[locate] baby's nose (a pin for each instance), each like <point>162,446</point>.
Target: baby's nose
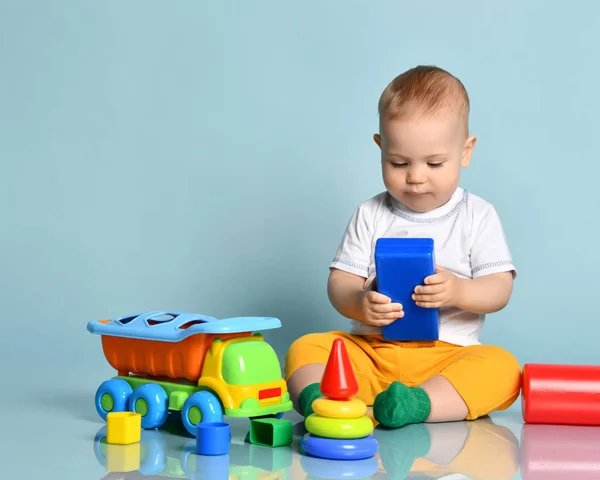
<point>416,176</point>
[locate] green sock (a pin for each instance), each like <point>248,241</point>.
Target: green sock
<point>307,397</point>
<point>400,405</point>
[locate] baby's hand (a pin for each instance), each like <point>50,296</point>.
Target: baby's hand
<point>440,290</point>
<point>378,309</point>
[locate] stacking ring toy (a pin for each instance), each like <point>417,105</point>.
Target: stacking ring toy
<point>325,407</point>
<point>340,449</point>
<point>339,428</point>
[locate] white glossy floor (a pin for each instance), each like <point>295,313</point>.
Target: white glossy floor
<point>498,448</point>
<point>50,431</point>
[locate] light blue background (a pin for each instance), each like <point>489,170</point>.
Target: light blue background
<point>206,156</point>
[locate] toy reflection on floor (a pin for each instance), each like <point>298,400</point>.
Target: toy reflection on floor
<point>474,450</point>
<point>166,454</point>
<point>198,365</point>
<point>553,452</point>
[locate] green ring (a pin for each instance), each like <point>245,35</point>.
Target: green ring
<point>194,415</point>
<point>338,428</point>
<point>107,402</point>
<point>141,407</point>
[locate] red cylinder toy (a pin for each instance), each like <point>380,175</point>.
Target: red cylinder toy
<point>561,394</point>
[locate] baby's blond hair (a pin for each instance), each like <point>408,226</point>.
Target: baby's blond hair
<point>424,89</point>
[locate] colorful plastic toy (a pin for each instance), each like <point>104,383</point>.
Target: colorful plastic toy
<point>561,394</point>
<point>157,457</point>
<point>213,438</point>
<point>201,366</point>
<point>335,450</point>
<point>325,407</point>
<point>401,265</point>
<point>271,432</point>
<point>338,429</point>
<point>123,428</point>
<point>339,381</point>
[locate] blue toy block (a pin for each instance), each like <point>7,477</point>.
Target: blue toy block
<point>402,264</point>
<point>213,438</point>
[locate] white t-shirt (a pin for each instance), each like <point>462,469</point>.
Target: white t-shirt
<point>469,242</point>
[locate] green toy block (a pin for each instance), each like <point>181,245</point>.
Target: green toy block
<point>270,432</point>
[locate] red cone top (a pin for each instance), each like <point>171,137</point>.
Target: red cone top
<point>339,382</point>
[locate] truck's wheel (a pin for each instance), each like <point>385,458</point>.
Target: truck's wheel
<point>152,403</point>
<point>200,407</point>
<point>112,396</point>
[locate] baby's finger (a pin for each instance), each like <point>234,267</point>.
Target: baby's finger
<point>435,279</point>
<point>385,308</point>
<point>429,289</point>
<point>436,304</point>
<point>376,297</point>
<point>437,297</point>
<point>388,315</point>
<point>376,322</point>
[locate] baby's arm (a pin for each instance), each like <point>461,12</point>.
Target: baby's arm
<point>485,294</point>
<point>491,263</point>
<point>348,297</point>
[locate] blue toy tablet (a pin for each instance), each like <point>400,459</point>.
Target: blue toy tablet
<point>402,264</point>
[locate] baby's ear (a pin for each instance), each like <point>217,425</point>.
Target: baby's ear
<point>468,151</point>
<point>377,139</point>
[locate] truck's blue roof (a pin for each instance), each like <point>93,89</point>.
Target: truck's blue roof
<point>175,326</point>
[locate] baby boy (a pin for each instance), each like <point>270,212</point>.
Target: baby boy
<point>425,143</point>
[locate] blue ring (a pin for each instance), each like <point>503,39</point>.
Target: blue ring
<point>340,449</point>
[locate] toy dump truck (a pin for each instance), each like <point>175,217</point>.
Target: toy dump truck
<point>198,365</point>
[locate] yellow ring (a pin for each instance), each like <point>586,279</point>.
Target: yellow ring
<point>339,428</point>
<point>325,407</point>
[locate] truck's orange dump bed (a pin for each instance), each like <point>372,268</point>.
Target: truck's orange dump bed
<point>177,360</point>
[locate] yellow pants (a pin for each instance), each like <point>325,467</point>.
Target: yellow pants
<point>487,377</point>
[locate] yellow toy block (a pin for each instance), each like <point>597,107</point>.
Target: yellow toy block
<point>123,458</point>
<point>123,428</point>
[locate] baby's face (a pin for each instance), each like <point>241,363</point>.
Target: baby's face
<point>421,158</point>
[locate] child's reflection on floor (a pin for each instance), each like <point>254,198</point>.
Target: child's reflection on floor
<point>476,450</point>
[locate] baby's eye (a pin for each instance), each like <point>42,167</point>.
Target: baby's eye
<point>435,165</point>
<point>399,165</point>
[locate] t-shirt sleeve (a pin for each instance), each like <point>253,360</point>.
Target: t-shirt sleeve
<point>354,252</point>
<point>490,252</point>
